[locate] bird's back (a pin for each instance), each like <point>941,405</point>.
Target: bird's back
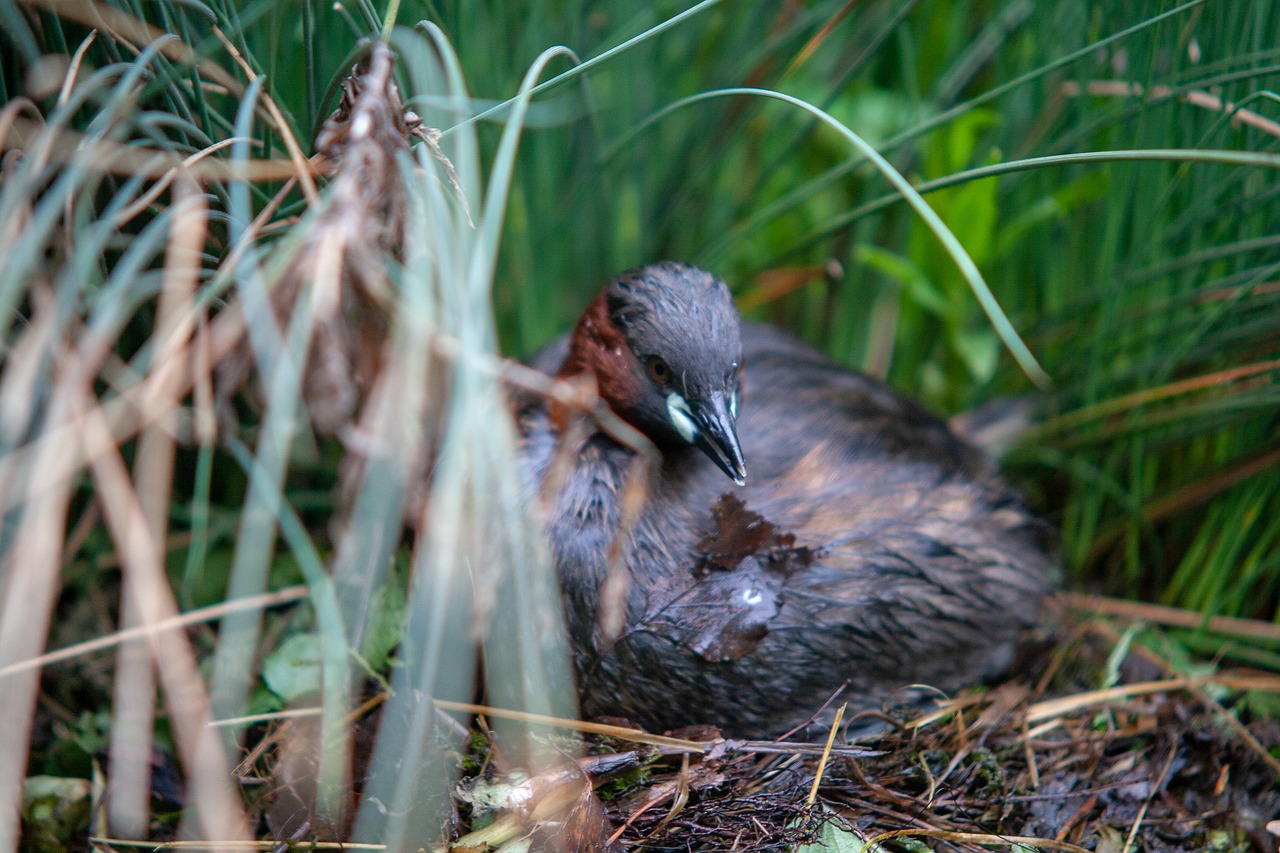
<point>919,564</point>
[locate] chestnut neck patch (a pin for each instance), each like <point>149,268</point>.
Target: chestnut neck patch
<point>598,347</point>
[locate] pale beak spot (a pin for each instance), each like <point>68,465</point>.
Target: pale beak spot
<point>681,417</point>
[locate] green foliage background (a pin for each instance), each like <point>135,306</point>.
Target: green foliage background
<point>1123,276</point>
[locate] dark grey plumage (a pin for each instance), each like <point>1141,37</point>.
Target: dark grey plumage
<point>928,565</point>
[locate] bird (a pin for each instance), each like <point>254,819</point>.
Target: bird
<point>805,532</point>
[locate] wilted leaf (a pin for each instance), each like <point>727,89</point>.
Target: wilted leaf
<point>341,269</point>
<point>721,609</point>
<point>292,803</point>
<point>741,533</point>
<point>555,810</point>
<point>721,615</point>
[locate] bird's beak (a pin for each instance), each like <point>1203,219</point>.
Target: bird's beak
<point>717,437</point>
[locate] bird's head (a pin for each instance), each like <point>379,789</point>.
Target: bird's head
<point>665,346</point>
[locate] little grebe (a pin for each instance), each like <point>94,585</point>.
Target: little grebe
<point>899,556</point>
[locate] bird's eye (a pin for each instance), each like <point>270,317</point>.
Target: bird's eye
<point>658,370</point>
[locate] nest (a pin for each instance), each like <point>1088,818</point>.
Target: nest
<point>1154,762</point>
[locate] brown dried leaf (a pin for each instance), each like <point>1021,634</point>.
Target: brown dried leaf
<point>741,533</point>
<point>341,269</point>
<point>580,828</point>
<point>722,615</point>
<point>291,805</point>
<point>722,608</point>
<point>557,809</point>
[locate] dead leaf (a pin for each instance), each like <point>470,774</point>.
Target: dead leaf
<point>722,608</point>
<point>557,809</point>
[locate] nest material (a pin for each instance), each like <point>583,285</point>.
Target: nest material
<point>1057,766</point>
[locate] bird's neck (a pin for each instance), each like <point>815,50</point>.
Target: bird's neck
<point>598,348</point>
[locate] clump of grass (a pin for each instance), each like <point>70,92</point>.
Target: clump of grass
<point>339,303</point>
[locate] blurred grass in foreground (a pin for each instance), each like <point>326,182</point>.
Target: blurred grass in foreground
<point>1110,168</point>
